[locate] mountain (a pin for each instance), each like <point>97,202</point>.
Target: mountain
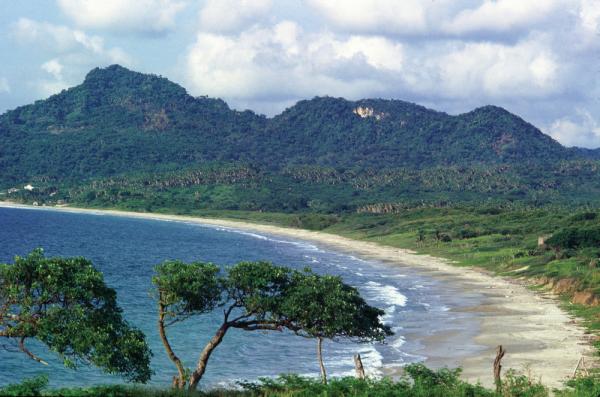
<point>123,124</point>
<point>391,133</point>
<point>118,121</point>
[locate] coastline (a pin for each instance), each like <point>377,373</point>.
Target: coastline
<point>537,335</point>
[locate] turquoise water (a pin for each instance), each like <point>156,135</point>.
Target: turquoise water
<point>126,249</point>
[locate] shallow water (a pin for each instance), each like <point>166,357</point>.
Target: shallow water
<point>126,249</point>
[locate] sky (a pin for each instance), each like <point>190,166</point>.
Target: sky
<point>540,59</point>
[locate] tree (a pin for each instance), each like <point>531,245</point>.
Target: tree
<point>65,304</point>
<point>249,293</point>
<point>259,296</point>
<point>184,290</point>
<point>324,307</point>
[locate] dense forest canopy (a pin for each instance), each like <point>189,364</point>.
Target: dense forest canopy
<point>126,134</point>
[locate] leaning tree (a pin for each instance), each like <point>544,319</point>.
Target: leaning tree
<point>65,304</point>
<point>249,293</point>
<point>184,290</point>
<point>324,307</point>
<point>257,296</point>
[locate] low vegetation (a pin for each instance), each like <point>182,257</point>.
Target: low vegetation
<point>418,381</point>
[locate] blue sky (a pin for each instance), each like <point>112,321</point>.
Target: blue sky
<point>538,58</point>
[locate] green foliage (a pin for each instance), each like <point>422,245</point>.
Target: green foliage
<point>65,304</point>
<point>518,385</point>
<point>28,387</point>
<point>259,289</point>
<point>187,289</point>
<point>581,387</point>
<point>418,382</point>
<point>323,306</point>
<point>576,237</point>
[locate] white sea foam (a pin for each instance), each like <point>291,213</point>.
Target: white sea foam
<point>389,313</point>
<point>302,244</point>
<point>386,293</point>
<point>398,343</point>
<point>355,258</point>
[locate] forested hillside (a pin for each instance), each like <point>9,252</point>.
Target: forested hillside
<point>123,136</point>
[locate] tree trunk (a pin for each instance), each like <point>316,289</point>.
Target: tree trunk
<point>360,370</point>
<point>320,358</point>
<point>179,380</point>
<point>205,355</point>
<point>498,367</point>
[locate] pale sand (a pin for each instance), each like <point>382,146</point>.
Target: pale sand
<point>536,333</point>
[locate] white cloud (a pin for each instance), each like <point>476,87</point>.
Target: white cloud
<point>230,16</point>
<point>498,19</point>
<point>378,16</point>
<point>73,53</point>
<point>141,16</point>
<point>502,16</point>
<point>589,14</point>
<point>528,69</point>
<point>581,130</point>
<point>57,83</point>
<point>4,86</point>
<point>60,39</point>
<point>53,67</point>
<point>285,62</point>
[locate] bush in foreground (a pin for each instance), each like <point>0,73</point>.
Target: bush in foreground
<point>418,381</point>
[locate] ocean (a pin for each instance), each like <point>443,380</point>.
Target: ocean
<point>418,307</point>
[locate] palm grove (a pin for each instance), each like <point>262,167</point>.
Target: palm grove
<point>65,304</point>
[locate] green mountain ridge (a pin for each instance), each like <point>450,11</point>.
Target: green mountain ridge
<point>133,127</point>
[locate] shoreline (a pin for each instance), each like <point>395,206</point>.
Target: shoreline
<point>540,338</point>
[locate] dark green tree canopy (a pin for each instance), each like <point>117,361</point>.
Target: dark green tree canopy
<point>250,292</point>
<point>187,289</point>
<point>323,306</point>
<point>65,304</point>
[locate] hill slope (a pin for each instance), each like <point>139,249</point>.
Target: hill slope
<point>132,126</point>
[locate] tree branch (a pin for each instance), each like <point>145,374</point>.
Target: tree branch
<point>228,312</point>
<point>262,327</point>
<point>30,354</point>
<point>237,319</point>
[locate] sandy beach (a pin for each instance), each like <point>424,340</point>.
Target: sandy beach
<point>538,336</point>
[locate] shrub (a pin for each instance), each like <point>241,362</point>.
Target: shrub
<point>584,216</point>
<point>467,233</point>
<point>28,387</point>
<point>576,237</point>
